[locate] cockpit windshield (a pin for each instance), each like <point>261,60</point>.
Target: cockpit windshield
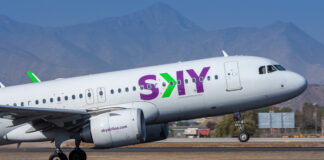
<point>262,70</point>
<point>280,68</point>
<point>271,68</point>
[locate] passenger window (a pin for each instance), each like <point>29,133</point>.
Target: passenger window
<point>73,96</point>
<point>193,80</point>
<point>100,93</point>
<point>112,91</point>
<point>163,84</point>
<point>36,102</point>
<point>80,96</point>
<point>44,101</point>
<point>119,90</point>
<point>134,88</point>
<point>126,89</point>
<point>51,100</point>
<point>171,83</point>
<point>142,87</point>
<point>201,79</point>
<point>179,82</point>
<point>148,86</point>
<point>186,81</point>
<point>22,104</point>
<point>216,77</point>
<point>89,94</point>
<point>262,70</point>
<point>15,104</point>
<point>208,78</point>
<point>66,98</point>
<point>271,68</point>
<point>59,99</point>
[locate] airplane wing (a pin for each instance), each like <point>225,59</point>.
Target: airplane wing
<point>16,112</point>
<point>21,115</point>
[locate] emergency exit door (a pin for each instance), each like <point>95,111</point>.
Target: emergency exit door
<point>89,96</point>
<point>232,76</point>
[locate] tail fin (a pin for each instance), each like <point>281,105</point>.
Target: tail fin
<point>33,77</point>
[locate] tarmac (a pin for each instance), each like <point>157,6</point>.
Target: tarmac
<point>176,149</point>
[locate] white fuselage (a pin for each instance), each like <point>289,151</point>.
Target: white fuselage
<point>231,84</point>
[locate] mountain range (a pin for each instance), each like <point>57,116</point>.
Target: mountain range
<point>154,35</point>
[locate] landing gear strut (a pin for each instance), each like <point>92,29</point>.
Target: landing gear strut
<point>58,154</point>
<point>243,135</point>
<point>77,153</point>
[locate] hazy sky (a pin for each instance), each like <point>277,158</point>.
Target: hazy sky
<point>209,14</point>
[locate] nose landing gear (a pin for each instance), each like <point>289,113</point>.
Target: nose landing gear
<point>243,135</point>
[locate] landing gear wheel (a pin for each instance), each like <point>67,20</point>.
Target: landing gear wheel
<point>58,156</point>
<point>244,136</point>
<point>77,154</point>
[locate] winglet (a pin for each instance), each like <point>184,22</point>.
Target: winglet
<point>2,86</point>
<point>224,53</point>
<point>33,77</point>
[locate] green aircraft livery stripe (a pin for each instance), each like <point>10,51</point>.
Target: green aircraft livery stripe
<point>170,87</point>
<point>32,77</point>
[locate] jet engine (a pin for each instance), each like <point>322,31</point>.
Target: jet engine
<point>117,128</point>
<point>157,132</point>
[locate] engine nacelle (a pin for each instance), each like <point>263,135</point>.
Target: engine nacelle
<point>117,128</point>
<point>157,132</point>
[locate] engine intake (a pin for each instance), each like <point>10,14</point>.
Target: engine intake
<point>117,128</point>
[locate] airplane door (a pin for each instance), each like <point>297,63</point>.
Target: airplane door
<point>101,94</point>
<point>232,76</point>
<point>89,96</point>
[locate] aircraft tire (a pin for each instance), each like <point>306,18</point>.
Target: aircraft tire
<point>77,154</point>
<point>58,156</point>
<point>244,136</point>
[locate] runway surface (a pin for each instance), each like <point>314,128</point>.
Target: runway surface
<point>173,149</point>
<point>180,149</point>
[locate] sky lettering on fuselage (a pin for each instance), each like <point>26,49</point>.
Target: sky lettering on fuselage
<point>143,82</point>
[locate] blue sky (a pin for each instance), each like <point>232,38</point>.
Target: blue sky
<point>209,14</point>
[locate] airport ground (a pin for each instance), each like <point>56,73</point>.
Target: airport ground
<point>181,149</point>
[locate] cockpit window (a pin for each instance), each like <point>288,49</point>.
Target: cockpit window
<point>262,70</point>
<point>271,68</point>
<point>280,68</point>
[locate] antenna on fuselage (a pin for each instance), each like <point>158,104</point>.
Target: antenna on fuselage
<point>2,86</point>
<point>224,53</point>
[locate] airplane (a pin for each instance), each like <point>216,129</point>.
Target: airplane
<point>135,106</point>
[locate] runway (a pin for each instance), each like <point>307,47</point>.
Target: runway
<point>173,149</point>
<point>179,149</point>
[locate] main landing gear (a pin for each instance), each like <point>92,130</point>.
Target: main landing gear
<point>243,135</point>
<point>76,154</point>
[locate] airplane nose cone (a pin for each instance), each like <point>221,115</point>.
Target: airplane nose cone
<point>297,82</point>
